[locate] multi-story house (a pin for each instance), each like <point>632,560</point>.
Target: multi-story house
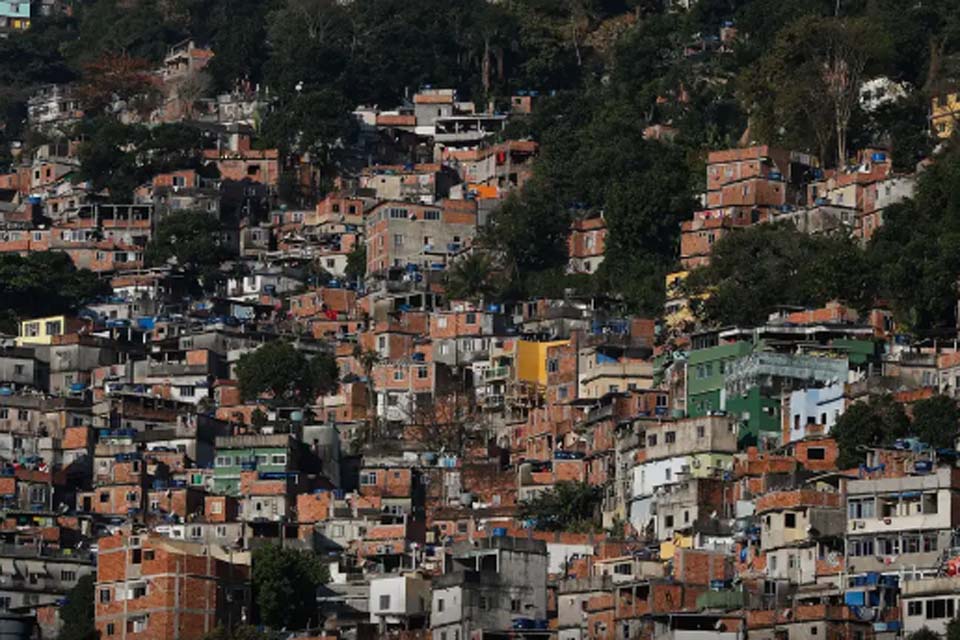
<point>426,236</point>
<point>902,523</point>
<point>150,586</point>
<point>494,587</point>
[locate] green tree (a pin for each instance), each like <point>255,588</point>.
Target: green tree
<point>953,629</point>
<point>936,421</point>
<point>285,583</point>
<point>924,633</point>
<point>471,278</point>
<point>45,283</point>
<point>569,506</point>
<point>877,421</point>
<point>916,254</point>
<point>280,369</point>
<point>77,613</point>
<point>357,263</point>
<point>806,87</point>
<point>190,238</point>
<point>109,156</point>
<point>752,271</point>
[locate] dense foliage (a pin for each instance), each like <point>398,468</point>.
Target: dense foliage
<point>285,583</point>
<point>605,70</point>
<point>568,506</point>
<point>77,612</point>
<point>43,284</point>
<point>284,372</point>
<point>882,420</point>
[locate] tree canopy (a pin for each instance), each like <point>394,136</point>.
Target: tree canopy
<point>286,373</point>
<point>45,283</point>
<point>77,613</point>
<point>568,506</point>
<point>285,583</point>
<point>877,421</point>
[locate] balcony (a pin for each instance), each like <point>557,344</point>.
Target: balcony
<point>493,402</point>
<point>496,373</point>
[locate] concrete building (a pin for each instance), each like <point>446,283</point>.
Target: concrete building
<point>399,602</point>
<point>494,587</point>
<point>150,586</point>
<point>901,523</point>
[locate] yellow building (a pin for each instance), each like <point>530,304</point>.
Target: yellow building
<point>40,331</point>
<point>532,360</point>
<point>944,111</point>
<point>678,311</point>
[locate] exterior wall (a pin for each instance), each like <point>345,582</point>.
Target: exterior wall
<point>705,376</point>
<point>401,233</point>
<point>813,407</point>
<point>532,365</point>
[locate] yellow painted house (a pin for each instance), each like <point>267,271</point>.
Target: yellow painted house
<point>944,111</point>
<point>532,360</point>
<point>41,331</point>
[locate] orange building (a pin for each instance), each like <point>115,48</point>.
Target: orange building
<point>149,586</point>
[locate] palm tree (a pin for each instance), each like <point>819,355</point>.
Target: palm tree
<point>368,359</point>
<point>471,278</point>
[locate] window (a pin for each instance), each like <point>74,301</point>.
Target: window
<point>860,548</point>
<point>104,497</point>
<point>111,629</point>
<point>278,458</point>
<point>514,605</point>
<point>148,555</point>
<point>54,328</point>
<point>701,432</point>
<point>816,453</point>
<point>368,478</point>
<point>652,440</point>
<point>398,374</point>
<point>485,603</point>
<point>670,437</point>
<point>422,373</point>
<point>137,625</point>
<point>384,601</point>
<point>940,608</point>
<point>790,520</point>
<point>914,608</point>
<point>186,391</point>
<point>216,508</point>
<point>19,369</point>
<point>553,365</point>
<point>860,508</point>
<point>397,240</point>
<point>23,415</point>
<point>668,521</point>
<point>104,596</point>
<point>439,605</point>
<point>471,318</point>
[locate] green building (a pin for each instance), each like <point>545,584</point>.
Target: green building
<point>744,372</point>
<point>706,373</point>
<point>262,453</point>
